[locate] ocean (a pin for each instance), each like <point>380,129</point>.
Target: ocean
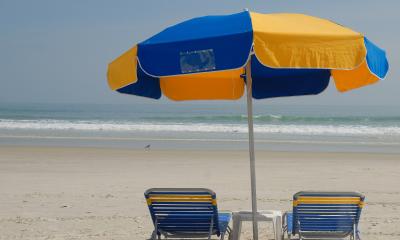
<point>202,125</point>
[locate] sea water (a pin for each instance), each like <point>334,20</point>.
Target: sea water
<point>202,125</point>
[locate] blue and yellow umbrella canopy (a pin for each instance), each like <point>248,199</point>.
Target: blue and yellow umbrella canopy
<point>204,58</point>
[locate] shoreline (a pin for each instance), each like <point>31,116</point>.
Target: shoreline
<point>183,151</point>
<point>202,141</point>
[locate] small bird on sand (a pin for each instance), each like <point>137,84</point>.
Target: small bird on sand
<point>147,148</point>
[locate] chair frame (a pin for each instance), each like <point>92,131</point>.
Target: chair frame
<point>213,230</point>
<point>353,234</point>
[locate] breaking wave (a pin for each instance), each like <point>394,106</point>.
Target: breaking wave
<point>331,129</point>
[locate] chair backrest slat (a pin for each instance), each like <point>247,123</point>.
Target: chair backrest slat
<point>329,212</point>
<point>183,210</point>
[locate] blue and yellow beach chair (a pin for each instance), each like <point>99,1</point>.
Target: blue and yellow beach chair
<point>324,215</point>
<point>186,213</point>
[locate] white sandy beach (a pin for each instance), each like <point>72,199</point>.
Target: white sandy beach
<point>91,193</point>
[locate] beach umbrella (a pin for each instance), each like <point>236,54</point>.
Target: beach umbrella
<point>271,55</point>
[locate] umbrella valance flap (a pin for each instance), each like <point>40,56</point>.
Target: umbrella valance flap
<point>145,86</point>
<point>376,59</point>
<point>272,82</point>
<point>220,85</point>
<point>371,70</point>
<point>123,70</point>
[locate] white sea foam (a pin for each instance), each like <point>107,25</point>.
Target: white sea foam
<point>121,126</point>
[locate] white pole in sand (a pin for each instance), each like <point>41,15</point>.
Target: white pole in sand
<point>251,148</point>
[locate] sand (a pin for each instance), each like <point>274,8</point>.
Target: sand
<point>92,193</point>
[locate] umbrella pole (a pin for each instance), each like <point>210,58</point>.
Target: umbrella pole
<point>251,149</point>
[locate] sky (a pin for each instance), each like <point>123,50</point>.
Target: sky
<point>55,51</point>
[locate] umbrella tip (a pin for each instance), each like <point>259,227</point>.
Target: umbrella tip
<point>245,9</point>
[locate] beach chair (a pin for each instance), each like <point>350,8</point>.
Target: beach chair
<point>324,215</point>
<point>186,213</point>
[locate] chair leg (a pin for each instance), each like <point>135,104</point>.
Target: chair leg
<point>355,235</point>
<point>211,228</point>
<point>358,235</point>
<point>154,235</point>
<point>222,236</point>
<point>229,230</point>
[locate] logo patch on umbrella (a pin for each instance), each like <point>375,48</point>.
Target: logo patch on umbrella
<point>197,61</point>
